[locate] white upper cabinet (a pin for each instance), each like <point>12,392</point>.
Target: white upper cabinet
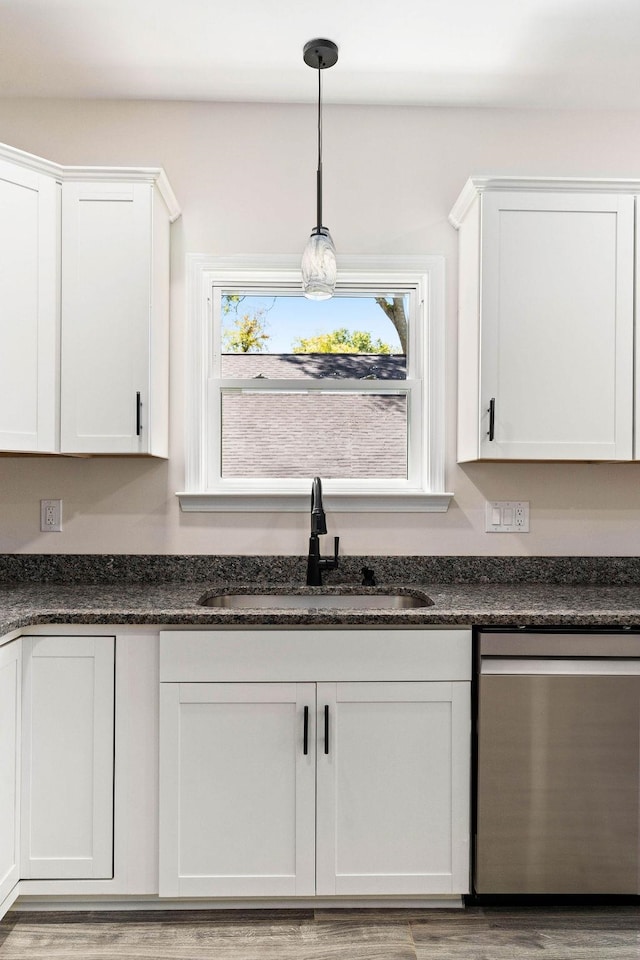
<point>29,309</point>
<point>546,324</point>
<point>84,307</point>
<point>115,318</point>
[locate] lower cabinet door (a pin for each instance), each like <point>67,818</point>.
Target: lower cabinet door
<point>10,685</point>
<point>67,758</point>
<point>237,789</point>
<point>393,788</point>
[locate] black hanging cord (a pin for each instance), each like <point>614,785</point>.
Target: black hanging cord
<point>319,174</point>
<point>320,54</point>
<point>320,113</point>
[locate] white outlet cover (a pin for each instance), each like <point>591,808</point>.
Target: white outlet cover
<point>51,516</point>
<point>512,516</point>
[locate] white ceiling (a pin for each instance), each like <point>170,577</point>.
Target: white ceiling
<point>568,53</point>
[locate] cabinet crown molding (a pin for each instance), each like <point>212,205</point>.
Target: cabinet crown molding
<point>477,185</point>
<point>48,168</point>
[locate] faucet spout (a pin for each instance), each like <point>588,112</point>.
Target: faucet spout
<point>318,518</point>
<point>315,562</point>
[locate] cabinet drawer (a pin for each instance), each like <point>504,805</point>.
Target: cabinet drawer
<point>191,656</point>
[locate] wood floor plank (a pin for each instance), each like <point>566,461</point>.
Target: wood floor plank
<point>472,941</point>
<point>392,914</point>
<point>192,917</point>
<point>583,917</point>
<point>134,939</point>
<point>524,943</point>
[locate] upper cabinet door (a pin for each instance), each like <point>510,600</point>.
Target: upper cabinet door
<point>546,326</point>
<point>115,273</point>
<point>29,259</point>
<point>557,326</point>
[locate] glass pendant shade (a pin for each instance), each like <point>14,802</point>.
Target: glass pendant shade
<point>319,269</point>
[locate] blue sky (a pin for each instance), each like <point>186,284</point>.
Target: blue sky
<point>286,318</point>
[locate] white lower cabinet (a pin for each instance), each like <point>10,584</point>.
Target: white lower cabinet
<point>10,685</point>
<point>303,788</point>
<point>67,757</point>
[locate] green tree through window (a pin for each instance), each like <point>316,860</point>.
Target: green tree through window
<point>341,341</point>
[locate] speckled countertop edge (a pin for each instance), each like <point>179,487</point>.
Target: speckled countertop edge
<point>171,604</point>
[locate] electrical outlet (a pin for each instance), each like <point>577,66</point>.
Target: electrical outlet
<point>507,516</point>
<point>51,516</point>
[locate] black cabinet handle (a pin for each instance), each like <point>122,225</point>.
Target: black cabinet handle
<point>492,418</point>
<point>326,728</point>
<point>306,731</point>
<point>138,414</point>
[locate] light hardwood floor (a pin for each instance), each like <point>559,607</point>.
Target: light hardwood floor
<point>477,933</point>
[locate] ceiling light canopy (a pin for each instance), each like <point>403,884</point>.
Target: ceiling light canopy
<point>319,257</point>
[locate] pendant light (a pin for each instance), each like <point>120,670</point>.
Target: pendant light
<point>319,256</point>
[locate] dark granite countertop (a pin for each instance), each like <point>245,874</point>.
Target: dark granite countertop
<point>172,603</point>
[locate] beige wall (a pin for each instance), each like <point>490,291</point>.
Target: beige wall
<point>245,178</point>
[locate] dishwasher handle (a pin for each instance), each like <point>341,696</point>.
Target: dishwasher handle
<point>522,666</point>
<point>554,643</point>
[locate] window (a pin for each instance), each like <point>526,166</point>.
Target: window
<point>268,408</point>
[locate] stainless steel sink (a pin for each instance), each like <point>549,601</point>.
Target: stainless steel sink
<point>319,601</point>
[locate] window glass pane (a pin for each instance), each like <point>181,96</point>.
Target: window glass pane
<point>333,435</point>
<point>359,337</point>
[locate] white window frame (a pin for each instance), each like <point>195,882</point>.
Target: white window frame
<point>423,489</point>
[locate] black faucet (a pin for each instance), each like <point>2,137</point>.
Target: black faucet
<point>315,563</point>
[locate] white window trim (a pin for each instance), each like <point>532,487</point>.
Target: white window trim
<point>420,493</point>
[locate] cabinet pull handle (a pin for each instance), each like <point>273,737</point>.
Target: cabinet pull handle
<point>306,731</point>
<point>326,728</point>
<point>138,414</point>
<point>492,418</point>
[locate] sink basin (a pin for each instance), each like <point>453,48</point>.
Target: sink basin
<point>318,601</point>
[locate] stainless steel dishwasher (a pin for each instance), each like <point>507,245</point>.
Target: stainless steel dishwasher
<point>558,763</point>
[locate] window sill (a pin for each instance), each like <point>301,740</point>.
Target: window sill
<point>237,502</point>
